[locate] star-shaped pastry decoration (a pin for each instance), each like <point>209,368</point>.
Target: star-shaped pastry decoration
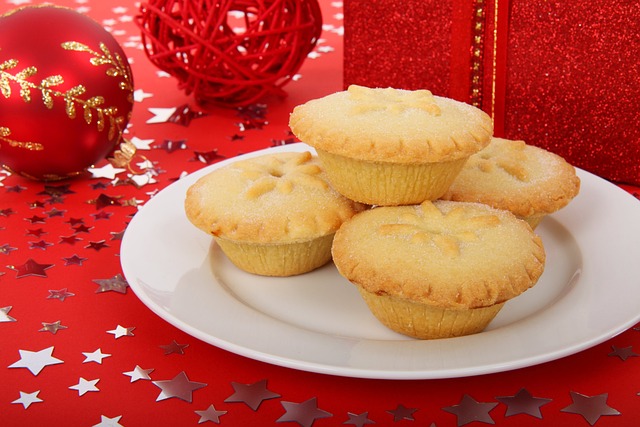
<point>590,407</point>
<point>402,413</point>
<point>469,410</point>
<point>523,403</point>
<point>36,361</point>
<point>358,420</point>
<point>85,386</point>
<point>304,413</point>
<point>95,356</point>
<point>139,374</point>
<point>251,394</point>
<point>74,260</point>
<point>180,386</point>
<point>4,314</point>
<point>117,284</point>
<point>623,352</point>
<point>60,294</point>
<point>121,331</point>
<point>52,327</point>
<point>107,171</point>
<point>210,414</point>
<point>31,268</point>
<point>109,422</point>
<point>26,399</point>
<point>174,347</point>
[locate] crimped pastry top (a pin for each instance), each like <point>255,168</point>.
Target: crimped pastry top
<point>443,253</point>
<point>392,125</point>
<point>513,175</point>
<point>275,198</point>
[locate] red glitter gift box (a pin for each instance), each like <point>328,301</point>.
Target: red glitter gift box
<point>562,75</point>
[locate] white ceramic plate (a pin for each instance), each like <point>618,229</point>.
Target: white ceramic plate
<point>589,292</point>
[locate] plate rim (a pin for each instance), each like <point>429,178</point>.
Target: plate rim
<point>325,368</point>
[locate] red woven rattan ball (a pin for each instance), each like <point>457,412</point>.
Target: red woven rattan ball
<point>232,52</point>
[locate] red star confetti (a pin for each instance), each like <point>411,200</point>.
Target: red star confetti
<point>74,260</point>
<point>590,407</point>
<point>31,268</point>
<point>170,145</point>
<point>180,387</point>
<point>304,413</point>
<point>97,245</point>
<point>174,348</point>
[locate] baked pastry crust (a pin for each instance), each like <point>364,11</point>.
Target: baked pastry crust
<point>446,254</point>
<point>270,199</point>
<point>527,180</point>
<point>392,125</point>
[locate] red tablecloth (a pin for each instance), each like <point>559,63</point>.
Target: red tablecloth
<point>80,349</point>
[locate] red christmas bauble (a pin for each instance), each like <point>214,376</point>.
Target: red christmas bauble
<point>230,52</point>
<point>66,92</point>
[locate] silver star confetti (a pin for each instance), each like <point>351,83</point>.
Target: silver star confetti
<point>117,283</point>
<point>590,407</point>
<point>106,171</point>
<point>85,386</point>
<point>358,420</point>
<point>121,331</point>
<point>469,410</point>
<point>26,399</point>
<point>95,356</point>
<point>210,414</point>
<point>304,413</point>
<point>61,294</point>
<point>402,413</point>
<point>139,374</point>
<point>36,361</point>
<point>180,386</point>
<point>523,403</point>
<point>4,314</point>
<point>251,394</point>
<point>52,327</point>
<point>109,422</point>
